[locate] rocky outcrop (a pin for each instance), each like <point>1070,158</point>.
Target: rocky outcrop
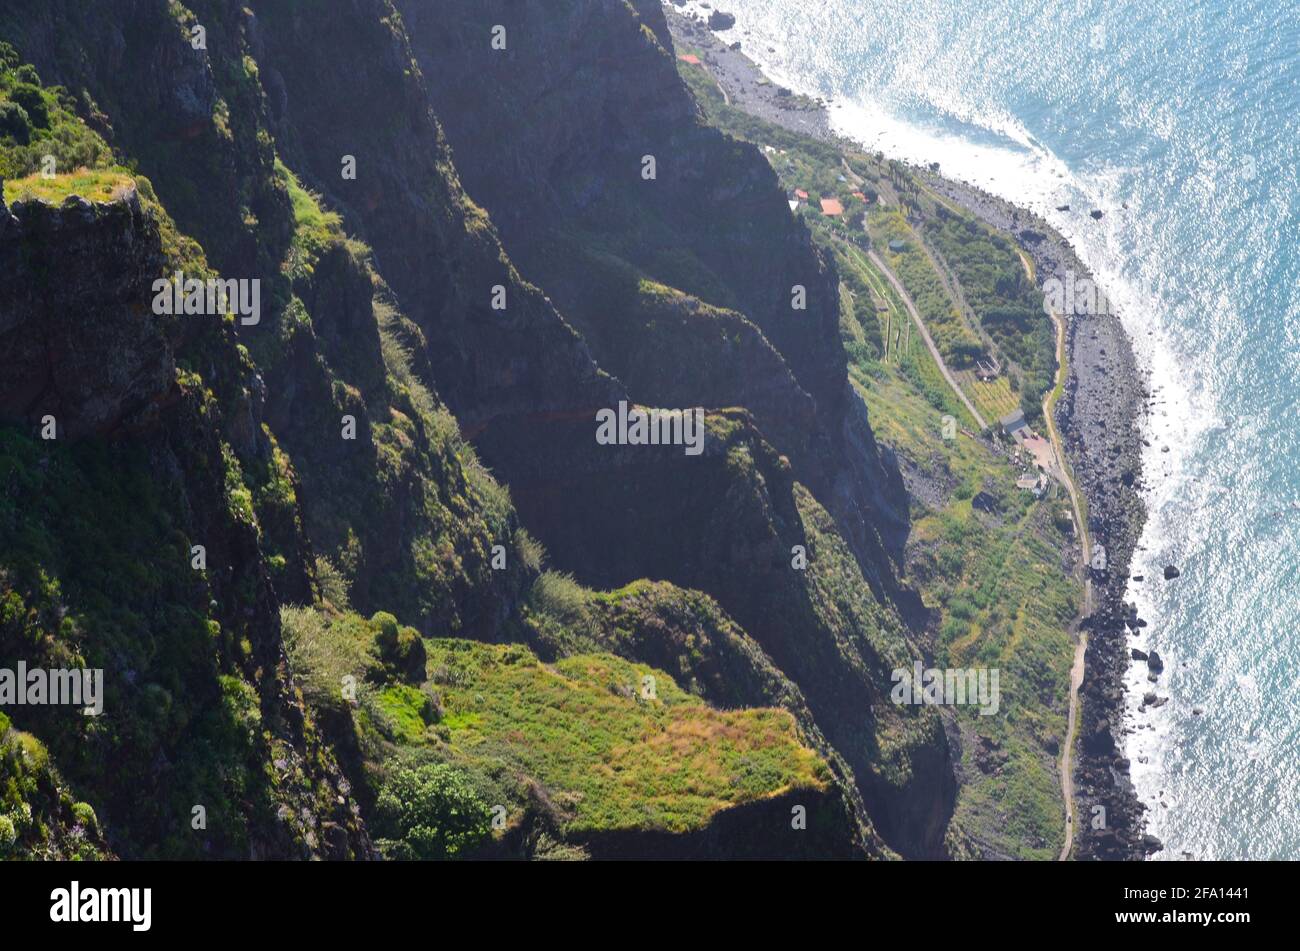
<point>98,565</point>
<point>800,824</point>
<point>77,340</point>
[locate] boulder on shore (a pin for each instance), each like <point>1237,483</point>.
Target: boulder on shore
<point>721,21</point>
<point>1171,572</point>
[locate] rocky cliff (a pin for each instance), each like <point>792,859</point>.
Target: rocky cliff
<point>328,454</point>
<point>116,463</point>
<point>606,184</point>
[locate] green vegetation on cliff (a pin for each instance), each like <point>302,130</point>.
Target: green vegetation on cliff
<point>588,744</point>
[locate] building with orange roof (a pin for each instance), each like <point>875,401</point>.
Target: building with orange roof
<point>832,206</point>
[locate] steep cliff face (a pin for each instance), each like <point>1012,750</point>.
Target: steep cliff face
<point>678,295</point>
<point>554,132</point>
<point>440,254</point>
<point>114,466</point>
<point>66,353</point>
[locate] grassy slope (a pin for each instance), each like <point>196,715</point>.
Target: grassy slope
<point>650,759</point>
<point>997,583</point>
<point>590,743</point>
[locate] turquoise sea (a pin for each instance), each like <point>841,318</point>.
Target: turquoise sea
<point>1181,121</point>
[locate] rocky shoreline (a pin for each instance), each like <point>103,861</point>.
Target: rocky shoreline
<point>1099,417</point>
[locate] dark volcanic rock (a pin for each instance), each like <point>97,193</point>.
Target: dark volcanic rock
<point>719,20</point>
<point>1171,572</point>
<point>530,153</point>
<point>86,349</point>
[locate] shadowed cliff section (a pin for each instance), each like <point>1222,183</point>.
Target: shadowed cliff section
<point>437,250</point>
<point>552,134</point>
<point>66,353</point>
<point>577,497</point>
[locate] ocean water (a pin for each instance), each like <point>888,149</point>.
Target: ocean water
<point>1181,121</point>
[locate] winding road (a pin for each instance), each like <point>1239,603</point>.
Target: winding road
<point>1081,639</point>
<point>925,335</point>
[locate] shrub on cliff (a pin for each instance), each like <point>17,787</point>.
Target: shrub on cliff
<point>400,648</point>
<point>31,99</point>
<point>8,835</point>
<point>15,123</point>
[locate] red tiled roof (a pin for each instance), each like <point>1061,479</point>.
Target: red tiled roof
<point>688,58</point>
<point>832,206</point>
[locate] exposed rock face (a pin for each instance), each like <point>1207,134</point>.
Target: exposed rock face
<point>730,835</point>
<point>80,342</point>
<point>82,345</point>
<point>156,98</point>
<point>438,251</point>
<point>712,222</point>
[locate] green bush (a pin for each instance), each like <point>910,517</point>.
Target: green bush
<point>384,625</point>
<point>14,123</point>
<point>400,648</point>
<point>430,812</point>
<point>85,815</point>
<point>33,101</point>
<point>334,584</point>
<point>8,834</point>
